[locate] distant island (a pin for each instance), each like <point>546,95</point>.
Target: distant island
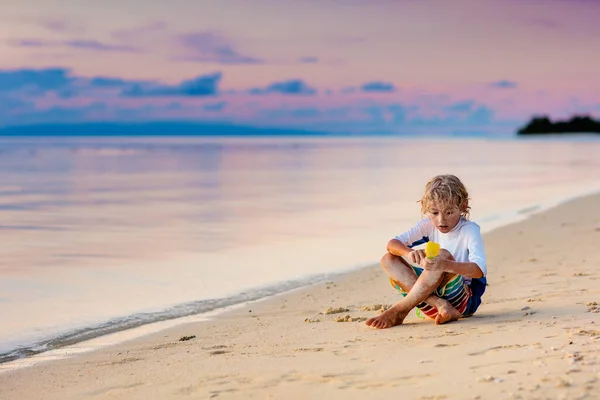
<point>156,128</point>
<point>577,124</point>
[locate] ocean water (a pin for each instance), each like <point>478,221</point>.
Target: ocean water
<point>99,235</point>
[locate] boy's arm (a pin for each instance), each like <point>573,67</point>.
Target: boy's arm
<point>469,269</point>
<point>397,245</point>
<point>477,265</point>
<point>397,248</point>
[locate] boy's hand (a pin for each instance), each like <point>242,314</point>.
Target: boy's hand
<point>433,264</point>
<point>416,256</point>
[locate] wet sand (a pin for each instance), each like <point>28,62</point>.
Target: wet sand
<point>536,336</point>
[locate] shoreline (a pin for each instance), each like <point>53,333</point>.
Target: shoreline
<point>121,336</point>
<point>536,335</point>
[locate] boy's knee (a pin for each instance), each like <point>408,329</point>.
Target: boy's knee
<point>387,260</point>
<point>446,254</point>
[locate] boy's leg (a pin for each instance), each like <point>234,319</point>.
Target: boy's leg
<point>419,289</point>
<point>400,271</point>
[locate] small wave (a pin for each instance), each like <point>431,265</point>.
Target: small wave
<point>139,319</point>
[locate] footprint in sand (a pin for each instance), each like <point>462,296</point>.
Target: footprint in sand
<point>219,346</point>
<point>510,346</point>
<point>490,378</point>
<point>217,352</point>
<point>315,349</point>
<point>163,346</point>
<point>311,321</point>
<point>528,311</point>
<point>534,300</point>
<point>588,332</point>
<point>126,360</point>
<point>113,389</point>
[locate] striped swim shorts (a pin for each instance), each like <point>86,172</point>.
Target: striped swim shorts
<point>456,292</point>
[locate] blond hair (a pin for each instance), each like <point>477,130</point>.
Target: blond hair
<point>446,190</point>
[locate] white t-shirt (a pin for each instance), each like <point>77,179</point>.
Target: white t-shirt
<point>464,242</point>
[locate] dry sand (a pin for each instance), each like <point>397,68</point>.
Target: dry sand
<point>536,336</point>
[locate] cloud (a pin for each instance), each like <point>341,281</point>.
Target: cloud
<point>43,80</point>
<point>335,40</point>
<point>480,116</point>
<point>28,43</point>
<point>30,114</point>
<point>98,46</point>
<point>36,82</point>
<point>55,25</point>
<point>61,82</point>
<point>378,86</point>
<point>134,34</point>
<point>548,24</point>
<point>108,82</point>
<point>461,106</point>
<point>291,87</point>
<point>469,111</point>
<point>212,48</point>
<point>301,112</point>
<point>398,112</point>
<point>215,106</point>
<point>394,113</point>
<point>204,85</point>
<point>58,95</point>
<point>504,84</point>
<point>60,26</point>
<point>308,60</point>
<point>9,106</point>
<point>90,45</point>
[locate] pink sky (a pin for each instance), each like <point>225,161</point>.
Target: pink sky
<point>546,53</point>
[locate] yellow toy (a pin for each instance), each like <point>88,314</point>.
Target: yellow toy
<point>432,249</point>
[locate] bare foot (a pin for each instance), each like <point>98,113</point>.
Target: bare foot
<point>446,313</point>
<point>391,317</point>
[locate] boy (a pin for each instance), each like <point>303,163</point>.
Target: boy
<point>450,285</point>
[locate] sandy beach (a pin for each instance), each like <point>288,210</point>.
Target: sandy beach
<point>536,336</point>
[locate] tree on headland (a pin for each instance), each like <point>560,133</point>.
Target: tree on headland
<point>577,124</point>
